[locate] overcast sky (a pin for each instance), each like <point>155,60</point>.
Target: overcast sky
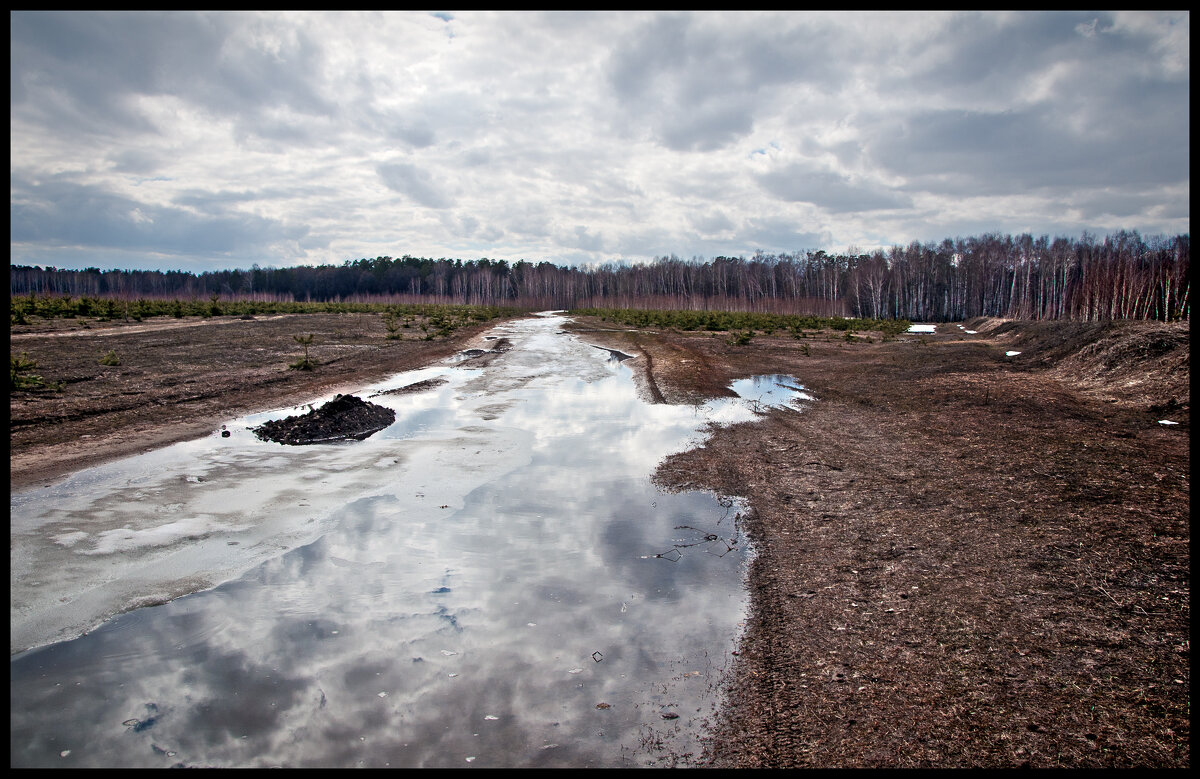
<point>197,141</point>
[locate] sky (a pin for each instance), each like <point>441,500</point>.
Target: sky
<point>206,140</point>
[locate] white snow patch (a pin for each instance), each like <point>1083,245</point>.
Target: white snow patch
<point>125,539</point>
<point>70,539</point>
<point>923,329</point>
<point>1167,422</point>
<point>1011,354</point>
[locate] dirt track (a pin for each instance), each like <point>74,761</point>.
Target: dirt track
<point>963,559</point>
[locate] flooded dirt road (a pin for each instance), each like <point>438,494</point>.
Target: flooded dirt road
<point>490,581</point>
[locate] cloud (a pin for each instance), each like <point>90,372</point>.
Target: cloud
<point>416,184</point>
<point>779,234</point>
<point>828,190</point>
<point>712,223</point>
<point>699,82</point>
<point>63,212</point>
<point>90,69</point>
<point>981,152</point>
<point>653,133</point>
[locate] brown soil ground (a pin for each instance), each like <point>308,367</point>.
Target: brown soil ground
<point>180,379</point>
<point>962,559</point>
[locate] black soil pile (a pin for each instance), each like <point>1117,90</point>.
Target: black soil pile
<point>343,418</point>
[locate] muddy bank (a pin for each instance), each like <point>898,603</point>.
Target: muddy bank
<point>964,559</point>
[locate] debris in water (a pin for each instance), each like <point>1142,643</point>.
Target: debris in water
<point>418,386</point>
<point>615,355</point>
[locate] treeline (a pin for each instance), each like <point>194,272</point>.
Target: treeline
<point>1123,276</point>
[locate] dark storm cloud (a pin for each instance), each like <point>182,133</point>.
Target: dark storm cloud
<point>62,212</point>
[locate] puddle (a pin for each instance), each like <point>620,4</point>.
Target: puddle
<point>615,355</point>
<point>491,579</point>
<point>773,391</point>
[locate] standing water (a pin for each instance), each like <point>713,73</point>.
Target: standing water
<point>490,581</point>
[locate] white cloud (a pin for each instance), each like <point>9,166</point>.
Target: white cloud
<point>577,137</point>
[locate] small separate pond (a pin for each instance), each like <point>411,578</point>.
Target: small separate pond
<point>491,581</point>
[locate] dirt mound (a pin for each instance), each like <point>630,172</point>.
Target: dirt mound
<point>415,387</point>
<point>343,418</point>
<point>484,357</point>
<point>1143,363</point>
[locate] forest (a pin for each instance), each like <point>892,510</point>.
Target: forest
<point>1122,276</point>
